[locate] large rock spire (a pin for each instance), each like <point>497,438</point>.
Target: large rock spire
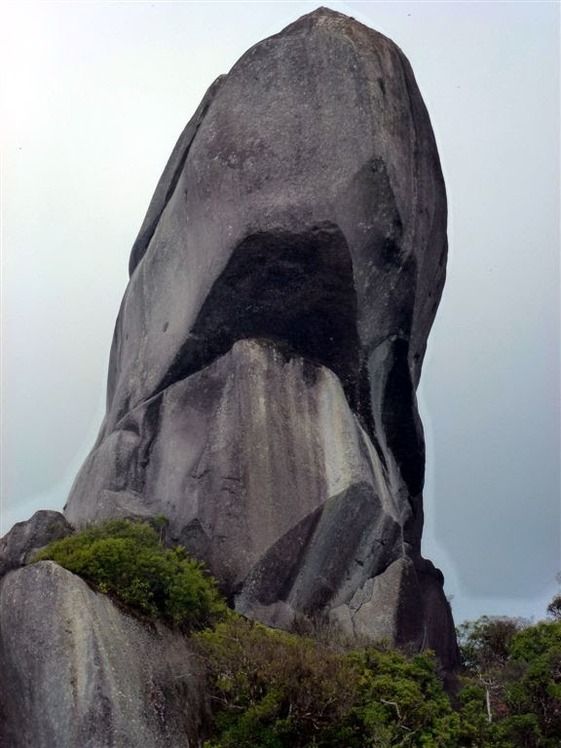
<point>262,380</point>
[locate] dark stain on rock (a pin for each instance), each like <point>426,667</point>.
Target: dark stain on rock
<point>295,290</point>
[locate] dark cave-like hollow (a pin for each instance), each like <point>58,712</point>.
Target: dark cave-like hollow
<point>295,290</point>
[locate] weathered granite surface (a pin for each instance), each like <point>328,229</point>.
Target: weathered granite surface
<point>18,546</point>
<point>261,389</point>
<point>75,671</point>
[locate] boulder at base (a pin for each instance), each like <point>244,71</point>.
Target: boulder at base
<point>19,545</point>
<point>76,672</point>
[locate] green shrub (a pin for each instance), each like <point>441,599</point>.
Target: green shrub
<point>126,559</point>
<point>271,689</point>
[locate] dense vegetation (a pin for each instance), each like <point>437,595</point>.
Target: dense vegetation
<point>128,561</point>
<point>276,690</point>
<point>518,668</point>
<point>271,689</point>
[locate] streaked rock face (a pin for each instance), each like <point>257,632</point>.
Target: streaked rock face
<point>262,378</point>
<point>76,671</point>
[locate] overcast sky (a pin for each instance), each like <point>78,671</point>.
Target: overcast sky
<point>94,96</point>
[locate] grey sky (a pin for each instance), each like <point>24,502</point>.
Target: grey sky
<point>94,96</point>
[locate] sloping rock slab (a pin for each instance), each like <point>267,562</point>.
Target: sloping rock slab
<point>76,672</point>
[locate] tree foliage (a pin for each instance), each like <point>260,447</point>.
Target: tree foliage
<point>485,643</point>
<point>518,666</point>
<point>554,608</point>
<point>128,561</point>
<point>271,689</point>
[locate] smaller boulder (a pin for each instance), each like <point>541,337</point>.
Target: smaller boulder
<point>20,544</point>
